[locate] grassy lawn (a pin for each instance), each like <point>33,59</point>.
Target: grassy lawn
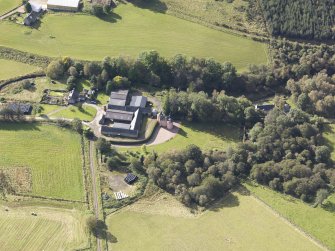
<point>10,69</point>
<point>7,5</point>
<point>85,113</point>
<point>34,95</point>
<point>51,229</point>
<point>207,136</point>
<point>239,222</point>
<point>129,31</point>
<point>53,155</point>
<point>318,222</point>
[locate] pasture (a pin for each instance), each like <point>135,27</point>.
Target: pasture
<point>16,92</point>
<point>129,31</point>
<point>209,136</point>
<point>51,229</point>
<point>318,222</point>
<point>8,5</point>
<point>10,69</point>
<point>52,154</point>
<point>238,222</point>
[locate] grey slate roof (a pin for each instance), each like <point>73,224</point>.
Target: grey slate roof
<point>118,115</point>
<point>138,101</point>
<point>118,98</point>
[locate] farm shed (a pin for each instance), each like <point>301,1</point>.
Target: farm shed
<point>63,5</point>
<point>130,178</point>
<point>32,18</point>
<point>118,98</point>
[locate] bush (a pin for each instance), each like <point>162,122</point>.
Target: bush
<point>55,70</point>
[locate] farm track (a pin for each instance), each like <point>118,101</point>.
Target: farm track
<point>94,189</point>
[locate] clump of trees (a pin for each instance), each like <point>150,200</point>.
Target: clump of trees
<point>193,176</point>
<point>315,94</point>
<point>300,18</point>
<point>149,68</point>
<point>218,107</point>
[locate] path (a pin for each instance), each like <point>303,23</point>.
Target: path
<point>57,110</point>
<point>94,189</point>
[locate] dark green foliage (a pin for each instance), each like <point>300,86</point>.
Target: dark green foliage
<point>103,145</point>
<point>194,176</point>
<point>311,19</point>
<point>196,106</point>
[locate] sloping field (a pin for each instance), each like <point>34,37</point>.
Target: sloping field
<point>85,112</point>
<point>53,155</point>
<point>7,5</point>
<point>51,229</point>
<point>318,222</point>
<point>9,69</point>
<point>238,223</point>
<point>129,31</point>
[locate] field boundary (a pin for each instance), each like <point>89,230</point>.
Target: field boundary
<point>48,198</point>
<point>292,224</point>
<point>36,74</point>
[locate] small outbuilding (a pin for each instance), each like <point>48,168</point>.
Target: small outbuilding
<point>130,178</point>
<point>63,5</point>
<point>32,18</point>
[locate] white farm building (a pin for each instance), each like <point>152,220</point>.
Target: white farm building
<point>63,5</point>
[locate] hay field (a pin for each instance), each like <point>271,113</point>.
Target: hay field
<point>239,222</point>
<point>53,155</point>
<point>129,31</point>
<point>51,229</point>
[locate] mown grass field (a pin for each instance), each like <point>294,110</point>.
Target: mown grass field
<point>129,31</point>
<point>11,69</point>
<point>239,222</point>
<point>34,95</point>
<point>7,5</point>
<point>51,229</point>
<point>53,155</point>
<point>318,222</point>
<point>207,136</point>
<point>85,112</point>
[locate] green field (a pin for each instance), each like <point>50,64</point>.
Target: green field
<point>8,5</point>
<point>84,113</point>
<point>318,222</point>
<point>239,222</point>
<point>10,69</point>
<point>129,31</point>
<point>53,155</point>
<point>207,136</point>
<point>34,95</point>
<point>51,229</point>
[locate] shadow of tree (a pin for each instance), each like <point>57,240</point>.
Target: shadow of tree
<point>329,206</point>
<point>111,17</point>
<point>153,5</point>
<point>229,200</point>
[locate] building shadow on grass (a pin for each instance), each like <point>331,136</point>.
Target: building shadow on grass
<point>153,5</point>
<point>229,200</point>
<point>111,18</point>
<point>17,124</point>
